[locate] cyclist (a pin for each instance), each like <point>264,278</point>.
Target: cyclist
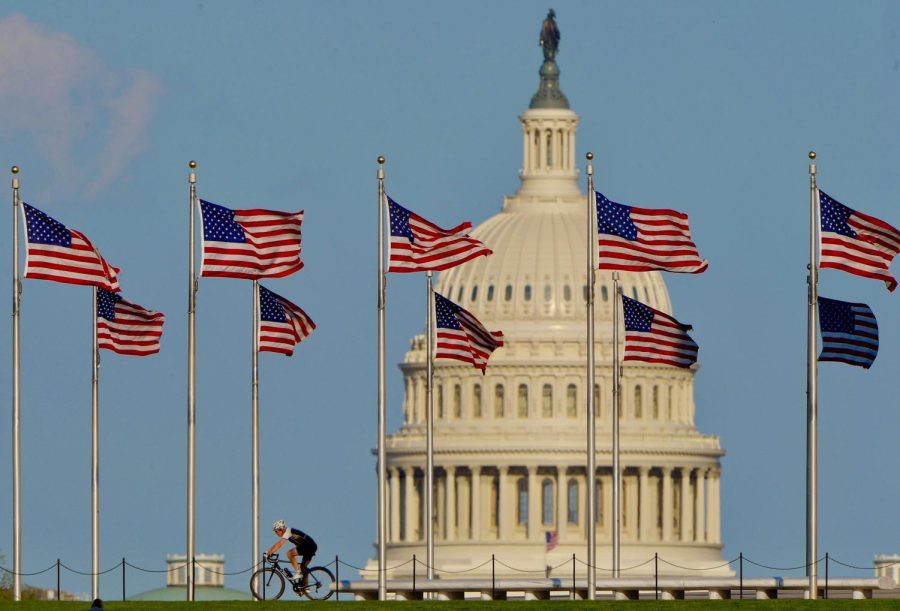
<point>305,547</point>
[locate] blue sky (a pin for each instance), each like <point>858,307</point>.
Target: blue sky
<point>707,107</point>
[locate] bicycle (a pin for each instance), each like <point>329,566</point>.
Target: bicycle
<point>267,583</point>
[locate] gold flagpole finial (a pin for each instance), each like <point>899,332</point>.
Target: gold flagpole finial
<point>192,164</point>
<point>15,169</point>
<point>812,155</point>
<point>381,160</point>
<point>589,156</point>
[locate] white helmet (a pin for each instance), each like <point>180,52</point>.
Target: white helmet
<point>279,525</point>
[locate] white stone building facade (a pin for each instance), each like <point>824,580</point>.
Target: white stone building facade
<point>510,446</point>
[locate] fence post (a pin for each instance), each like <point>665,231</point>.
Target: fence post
<point>123,579</point>
<point>57,579</point>
<point>414,575</point>
<point>573,576</point>
<point>493,579</point>
<point>656,573</point>
<point>741,590</point>
<point>337,578</point>
<point>826,575</point>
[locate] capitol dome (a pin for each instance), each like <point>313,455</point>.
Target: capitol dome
<point>510,450</point>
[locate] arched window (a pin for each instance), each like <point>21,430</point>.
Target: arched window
<point>476,400</point>
<point>547,401</point>
<point>638,402</point>
<point>498,401</point>
<point>669,409</point>
<point>457,401</point>
<point>548,292</point>
<point>527,292</point>
<point>508,292</point>
<point>549,148</point>
<point>647,294</point>
<point>490,294</point>
<point>598,501</point>
<point>604,293</point>
<point>597,411</point>
<point>634,293</point>
<point>474,293</point>
<point>439,390</point>
<point>522,411</point>
<point>572,496</point>
<point>571,401</point>
<point>459,294</point>
<point>656,402</point>
<point>522,502</point>
<point>567,293</point>
<point>547,502</point>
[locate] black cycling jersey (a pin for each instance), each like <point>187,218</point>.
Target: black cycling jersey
<point>301,539</point>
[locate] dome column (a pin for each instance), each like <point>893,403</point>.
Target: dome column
<point>475,487</point>
<point>394,482</point>
<point>700,533</point>
<point>505,515</point>
<point>535,519</point>
<point>686,517</point>
<point>561,519</point>
<point>451,504</point>
<point>667,504</point>
<point>714,535</point>
<point>644,504</point>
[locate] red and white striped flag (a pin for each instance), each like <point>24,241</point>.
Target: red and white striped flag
<point>54,252</point>
<point>125,327</point>
<point>551,538</point>
<point>418,245</point>
<point>645,239</point>
<point>654,337</point>
<point>249,244</point>
<point>855,242</point>
<point>461,336</point>
<point>282,325</point>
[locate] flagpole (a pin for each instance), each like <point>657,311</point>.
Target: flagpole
<point>591,421</point>
<point>254,427</point>
<point>429,427</point>
<point>812,387</point>
<point>382,399</point>
<point>95,453</point>
<point>192,384</point>
<point>617,467</point>
<point>16,379</point>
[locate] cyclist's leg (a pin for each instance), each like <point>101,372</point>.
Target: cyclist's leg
<point>307,554</point>
<point>292,556</point>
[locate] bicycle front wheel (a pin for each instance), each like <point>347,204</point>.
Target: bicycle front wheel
<point>319,584</point>
<point>267,584</point>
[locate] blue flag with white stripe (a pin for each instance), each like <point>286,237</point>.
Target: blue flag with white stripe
<point>849,332</point>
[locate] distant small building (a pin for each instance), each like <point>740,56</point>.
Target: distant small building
<point>209,585</point>
<point>888,565</point>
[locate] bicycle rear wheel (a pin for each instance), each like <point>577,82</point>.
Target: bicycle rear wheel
<point>319,583</point>
<point>267,584</point>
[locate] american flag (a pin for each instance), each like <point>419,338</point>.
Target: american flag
<point>418,245</point>
<point>552,539</point>
<point>645,239</point>
<point>849,332</point>
<point>855,242</point>
<point>461,336</point>
<point>57,253</point>
<point>125,327</point>
<point>654,337</point>
<point>282,325</point>
<point>249,244</point>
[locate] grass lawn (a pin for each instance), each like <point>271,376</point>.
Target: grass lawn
<point>721,605</point>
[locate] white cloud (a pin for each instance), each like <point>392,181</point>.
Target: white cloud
<point>87,121</point>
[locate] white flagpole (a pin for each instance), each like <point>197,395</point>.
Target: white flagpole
<point>382,398</point>
<point>95,452</point>
<point>429,434</point>
<point>16,385</point>
<point>254,428</point>
<point>192,395</point>
<point>591,421</point>
<point>812,387</point>
<point>617,467</point>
